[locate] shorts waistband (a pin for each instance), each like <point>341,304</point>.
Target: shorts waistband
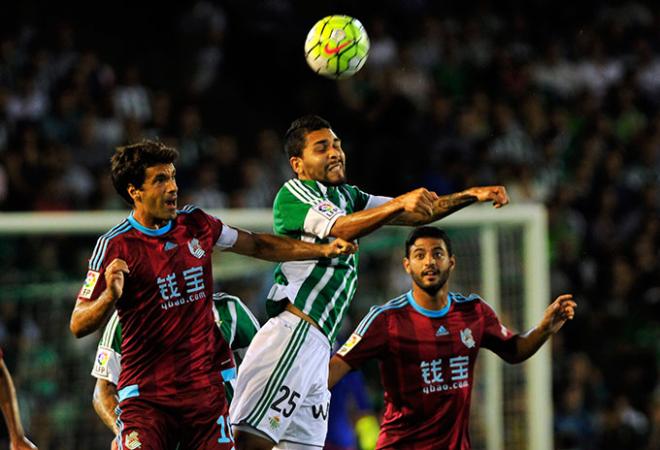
<point>314,332</point>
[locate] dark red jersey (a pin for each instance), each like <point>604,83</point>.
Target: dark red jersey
<point>426,362</point>
<point>171,344</point>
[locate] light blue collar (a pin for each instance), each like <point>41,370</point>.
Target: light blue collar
<point>149,231</point>
<point>429,312</point>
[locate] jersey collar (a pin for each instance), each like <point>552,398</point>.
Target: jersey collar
<point>429,312</point>
<point>149,231</point>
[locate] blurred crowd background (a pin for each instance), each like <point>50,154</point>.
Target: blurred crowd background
<point>558,101</point>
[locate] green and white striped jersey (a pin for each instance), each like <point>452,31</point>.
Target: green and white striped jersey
<point>237,325</point>
<point>322,289</point>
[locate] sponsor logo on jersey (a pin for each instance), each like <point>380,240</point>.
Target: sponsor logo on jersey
<point>89,284</point>
<point>442,331</point>
<point>466,337</point>
<point>132,440</point>
<point>327,209</point>
<point>169,245</point>
<point>350,343</point>
<point>196,249</point>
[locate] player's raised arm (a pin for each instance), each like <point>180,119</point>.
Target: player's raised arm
<point>418,203</point>
<point>88,315</point>
<point>523,346</point>
<point>277,248</point>
<point>449,204</point>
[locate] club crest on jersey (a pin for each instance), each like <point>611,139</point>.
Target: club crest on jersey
<point>89,284</point>
<point>327,209</point>
<point>350,343</point>
<point>466,337</point>
<point>195,248</point>
<point>132,441</point>
<point>274,422</point>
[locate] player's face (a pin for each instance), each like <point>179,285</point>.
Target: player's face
<point>157,196</point>
<point>429,264</point>
<point>322,158</point>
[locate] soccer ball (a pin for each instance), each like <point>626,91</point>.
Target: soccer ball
<point>337,46</point>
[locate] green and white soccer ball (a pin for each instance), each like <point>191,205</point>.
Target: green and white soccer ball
<point>337,46</point>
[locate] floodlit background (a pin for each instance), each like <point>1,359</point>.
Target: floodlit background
<point>556,100</point>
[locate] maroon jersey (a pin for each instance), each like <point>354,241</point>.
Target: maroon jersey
<point>426,363</point>
<point>171,344</point>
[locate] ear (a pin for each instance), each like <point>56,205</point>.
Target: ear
<point>452,263</point>
<point>135,193</point>
<point>406,265</point>
<point>296,163</point>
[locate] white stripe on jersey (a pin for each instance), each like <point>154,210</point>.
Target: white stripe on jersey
<point>309,301</point>
<point>305,189</point>
<point>331,304</point>
<point>299,195</point>
<point>351,291</point>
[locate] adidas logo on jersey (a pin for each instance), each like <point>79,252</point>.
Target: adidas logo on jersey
<point>169,245</point>
<point>442,331</point>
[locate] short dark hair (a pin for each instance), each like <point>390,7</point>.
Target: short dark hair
<point>129,164</point>
<point>430,232</point>
<point>294,139</point>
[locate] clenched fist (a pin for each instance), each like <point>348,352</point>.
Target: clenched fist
<point>496,194</point>
<point>339,247</point>
<point>114,277</point>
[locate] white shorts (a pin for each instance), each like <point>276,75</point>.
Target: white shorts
<point>282,385</point>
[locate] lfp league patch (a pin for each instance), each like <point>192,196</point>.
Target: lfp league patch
<point>327,209</point>
<point>89,284</point>
<point>350,343</point>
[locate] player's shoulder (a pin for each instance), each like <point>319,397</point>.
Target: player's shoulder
<point>188,211</point>
<point>294,190</point>
<point>470,299</point>
<point>382,312</point>
<point>221,298</point>
<point>110,239</point>
<point>193,215</point>
<point>469,302</point>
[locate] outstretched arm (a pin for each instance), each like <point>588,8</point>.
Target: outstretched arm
<point>523,346</point>
<point>277,248</point>
<point>418,203</point>
<point>338,368</point>
<point>88,316</point>
<point>10,410</point>
<point>449,204</point>
<point>105,402</point>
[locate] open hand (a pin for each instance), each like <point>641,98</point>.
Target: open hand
<point>114,277</point>
<point>496,194</point>
<point>340,247</point>
<point>559,311</point>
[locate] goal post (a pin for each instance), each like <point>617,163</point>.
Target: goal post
<point>502,254</point>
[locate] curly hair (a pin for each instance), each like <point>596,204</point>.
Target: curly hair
<point>130,162</point>
<point>294,139</point>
